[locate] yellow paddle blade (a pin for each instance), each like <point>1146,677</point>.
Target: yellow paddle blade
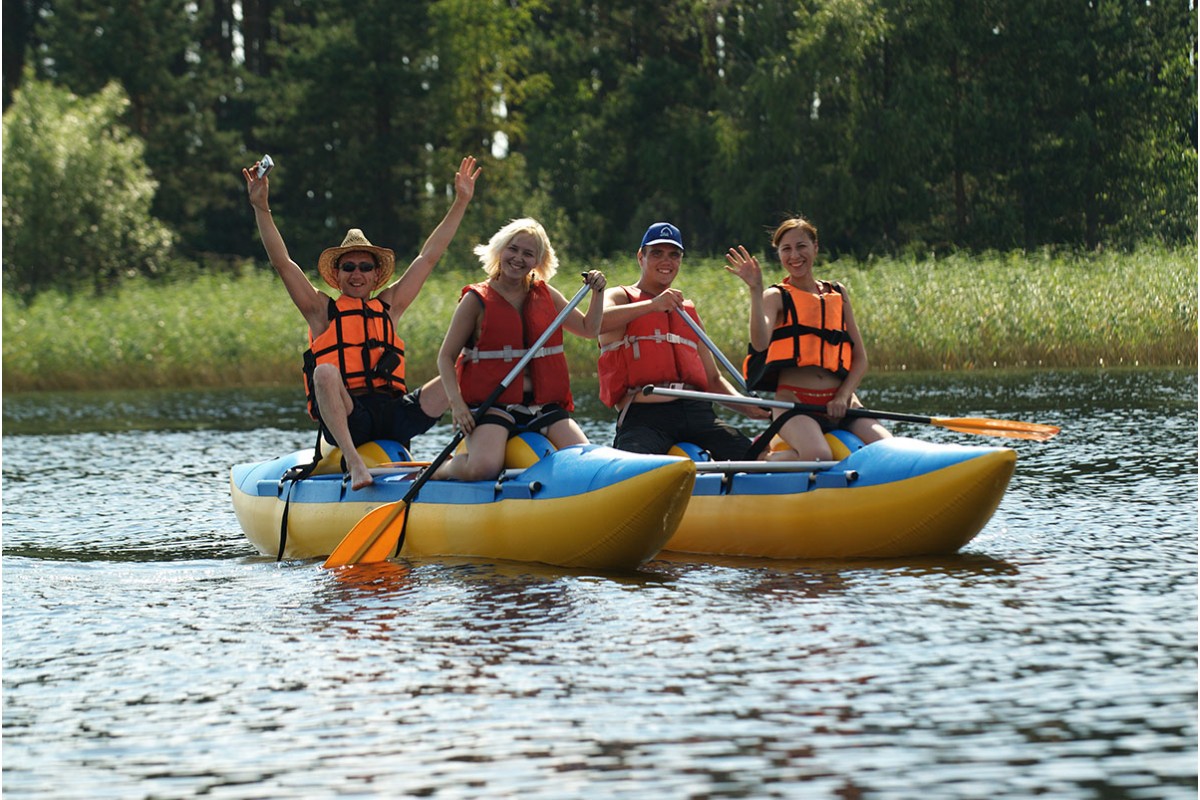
<point>373,538</point>
<point>998,427</point>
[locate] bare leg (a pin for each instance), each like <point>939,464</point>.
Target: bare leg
<point>565,433</point>
<point>433,398</point>
<point>869,430</point>
<point>803,434</point>
<point>483,460</point>
<point>336,404</point>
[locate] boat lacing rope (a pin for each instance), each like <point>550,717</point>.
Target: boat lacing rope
<point>292,477</point>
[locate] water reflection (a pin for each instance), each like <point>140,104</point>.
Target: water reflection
<point>149,652</point>
<point>384,579</point>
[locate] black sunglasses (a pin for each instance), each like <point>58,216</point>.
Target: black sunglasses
<point>350,266</point>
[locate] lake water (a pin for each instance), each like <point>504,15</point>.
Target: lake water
<point>149,652</point>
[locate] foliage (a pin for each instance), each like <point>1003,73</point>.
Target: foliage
<point>897,125</point>
<point>999,310</point>
<point>345,113</point>
<point>77,193</point>
<point>184,99</point>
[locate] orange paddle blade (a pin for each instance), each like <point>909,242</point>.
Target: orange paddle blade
<point>998,427</point>
<point>373,538</point>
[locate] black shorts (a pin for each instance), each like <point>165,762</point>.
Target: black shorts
<point>827,425</point>
<point>382,416</point>
<point>533,419</point>
<point>657,427</point>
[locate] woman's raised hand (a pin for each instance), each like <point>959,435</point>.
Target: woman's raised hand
<point>745,266</point>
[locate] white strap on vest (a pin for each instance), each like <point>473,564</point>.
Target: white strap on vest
<point>657,336</point>
<point>509,353</point>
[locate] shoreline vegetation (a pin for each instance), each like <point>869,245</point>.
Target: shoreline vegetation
<point>1039,310</point>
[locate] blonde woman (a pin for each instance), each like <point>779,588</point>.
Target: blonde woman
<point>493,325</point>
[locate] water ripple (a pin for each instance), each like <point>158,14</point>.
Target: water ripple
<point>149,653</point>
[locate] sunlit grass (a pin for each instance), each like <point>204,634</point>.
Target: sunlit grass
<point>958,312</point>
<point>994,311</point>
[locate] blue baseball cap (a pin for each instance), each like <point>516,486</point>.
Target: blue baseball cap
<point>662,233</point>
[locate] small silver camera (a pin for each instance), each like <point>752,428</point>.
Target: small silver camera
<point>264,166</point>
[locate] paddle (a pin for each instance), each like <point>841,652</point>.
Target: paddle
<point>979,425</point>
<point>733,371</point>
<point>366,541</point>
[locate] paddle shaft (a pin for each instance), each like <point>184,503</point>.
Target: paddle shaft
<point>491,399</point>
<point>733,371</point>
<point>993,427</point>
<point>758,401</point>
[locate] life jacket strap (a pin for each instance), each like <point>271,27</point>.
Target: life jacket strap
<point>508,353</point>
<point>658,336</point>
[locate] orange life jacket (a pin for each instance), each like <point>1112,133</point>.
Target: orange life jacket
<point>504,337</point>
<point>362,342</point>
<point>658,348</point>
<point>812,334</point>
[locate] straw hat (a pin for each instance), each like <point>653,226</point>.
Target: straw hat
<point>355,240</point>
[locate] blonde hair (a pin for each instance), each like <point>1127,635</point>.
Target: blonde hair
<point>489,254</point>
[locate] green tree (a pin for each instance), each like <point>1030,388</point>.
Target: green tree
<point>19,17</point>
<point>1053,122</point>
<point>892,123</point>
<point>576,149</point>
<point>348,110</point>
<point>1146,72</point>
<point>77,193</point>
<point>617,116</point>
<point>803,123</point>
<point>479,97</point>
<point>175,62</point>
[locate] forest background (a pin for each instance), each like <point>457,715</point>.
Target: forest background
<point>906,129</point>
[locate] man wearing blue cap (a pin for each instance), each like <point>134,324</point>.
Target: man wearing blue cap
<point>644,341</point>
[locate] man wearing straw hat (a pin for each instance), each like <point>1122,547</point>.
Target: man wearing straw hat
<point>354,368</point>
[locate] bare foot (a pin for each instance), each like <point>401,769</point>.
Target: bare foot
<point>360,476</point>
<point>445,472</point>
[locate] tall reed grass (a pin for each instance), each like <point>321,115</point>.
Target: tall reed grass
<point>1014,310</point>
